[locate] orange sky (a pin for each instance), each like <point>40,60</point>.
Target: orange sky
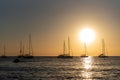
<point>50,22</point>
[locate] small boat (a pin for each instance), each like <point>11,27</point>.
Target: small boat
<point>22,57</point>
<point>16,60</point>
<point>27,56</point>
<point>103,55</point>
<point>85,54</point>
<point>4,54</point>
<point>66,55</point>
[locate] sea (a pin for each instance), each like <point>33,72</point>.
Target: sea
<point>53,68</point>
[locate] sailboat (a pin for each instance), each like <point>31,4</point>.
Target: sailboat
<point>66,55</point>
<point>30,54</point>
<point>85,54</point>
<point>4,56</point>
<point>103,55</point>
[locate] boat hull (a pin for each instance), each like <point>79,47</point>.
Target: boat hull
<point>103,56</point>
<point>83,56</point>
<point>3,56</point>
<point>64,56</point>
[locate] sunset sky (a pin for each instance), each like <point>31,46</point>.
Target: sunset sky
<point>51,21</point>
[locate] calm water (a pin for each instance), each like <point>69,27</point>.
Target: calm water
<point>51,68</point>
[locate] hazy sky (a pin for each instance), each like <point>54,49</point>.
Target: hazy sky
<point>51,21</point>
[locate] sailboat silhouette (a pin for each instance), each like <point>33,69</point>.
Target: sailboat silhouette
<point>85,54</point>
<point>4,53</point>
<point>103,55</point>
<point>66,55</point>
<point>30,54</point>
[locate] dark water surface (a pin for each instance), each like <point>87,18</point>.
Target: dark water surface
<point>52,68</point>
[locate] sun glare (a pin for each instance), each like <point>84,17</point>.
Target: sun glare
<point>87,35</point>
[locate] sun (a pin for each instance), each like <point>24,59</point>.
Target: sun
<point>87,35</point>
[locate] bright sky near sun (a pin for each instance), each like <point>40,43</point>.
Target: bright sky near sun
<point>52,21</point>
<point>87,35</point>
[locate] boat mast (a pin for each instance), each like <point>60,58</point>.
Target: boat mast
<point>23,50</point>
<point>64,47</point>
<point>4,50</point>
<point>30,46</point>
<point>103,47</point>
<point>20,48</point>
<point>85,48</point>
<point>68,46</point>
<point>29,43</point>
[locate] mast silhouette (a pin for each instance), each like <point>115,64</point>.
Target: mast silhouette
<point>103,55</point>
<point>69,47</point>
<point>21,50</point>
<point>30,52</point>
<point>4,52</point>
<point>103,47</point>
<point>85,48</point>
<point>66,55</point>
<point>30,46</point>
<point>85,51</point>
<point>64,50</point>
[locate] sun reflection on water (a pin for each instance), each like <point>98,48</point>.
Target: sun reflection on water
<point>87,66</point>
<point>87,63</point>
